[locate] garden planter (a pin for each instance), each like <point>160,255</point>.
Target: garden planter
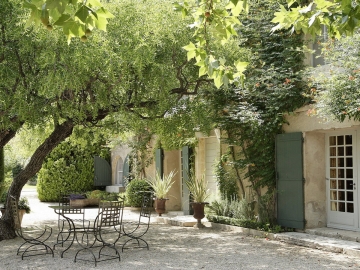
<point>199,213</point>
<point>160,206</point>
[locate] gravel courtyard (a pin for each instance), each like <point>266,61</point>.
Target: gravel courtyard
<point>173,247</point>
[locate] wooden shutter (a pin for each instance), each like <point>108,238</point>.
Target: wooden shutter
<point>126,171</point>
<point>159,161</point>
<point>185,166</point>
<point>290,181</point>
<point>102,176</point>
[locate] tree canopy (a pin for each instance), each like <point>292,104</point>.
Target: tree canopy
<point>137,69</point>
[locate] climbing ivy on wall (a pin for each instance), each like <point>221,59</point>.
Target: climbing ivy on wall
<point>253,115</point>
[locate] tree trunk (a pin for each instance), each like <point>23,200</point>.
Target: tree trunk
<point>61,132</point>
<point>2,170</point>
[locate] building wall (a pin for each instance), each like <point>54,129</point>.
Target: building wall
<point>314,130</point>
<point>172,163</point>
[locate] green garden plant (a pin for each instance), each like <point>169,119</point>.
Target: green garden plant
<point>199,191</point>
<point>133,192</point>
<point>161,186</point>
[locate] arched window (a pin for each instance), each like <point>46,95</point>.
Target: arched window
<point>119,173</point>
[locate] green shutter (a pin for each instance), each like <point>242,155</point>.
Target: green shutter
<point>159,161</point>
<point>126,171</point>
<point>102,177</point>
<point>185,166</point>
<point>290,181</point>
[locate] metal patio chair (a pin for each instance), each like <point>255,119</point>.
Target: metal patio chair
<point>103,236</point>
<point>70,220</point>
<point>33,245</point>
<point>135,230</point>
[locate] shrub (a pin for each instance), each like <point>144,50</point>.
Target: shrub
<point>133,192</point>
<point>70,166</point>
<point>239,209</point>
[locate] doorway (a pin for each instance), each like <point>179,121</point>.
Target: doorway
<point>341,180</point>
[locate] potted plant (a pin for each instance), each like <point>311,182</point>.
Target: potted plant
<point>199,194</point>
<point>161,187</point>
<point>23,207</point>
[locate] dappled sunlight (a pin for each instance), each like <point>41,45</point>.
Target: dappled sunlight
<point>173,247</point>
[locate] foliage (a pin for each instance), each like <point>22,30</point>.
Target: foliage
<point>215,21</point>
<point>23,204</point>
<point>341,17</point>
<point>76,18</point>
<point>252,116</point>
<point>336,93</point>
<point>102,195</point>
<point>197,186</point>
<point>134,191</point>
<point>251,224</point>
<point>239,209</point>
<point>226,180</point>
<point>161,186</point>
<point>71,165</point>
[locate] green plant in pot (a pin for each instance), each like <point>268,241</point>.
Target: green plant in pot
<point>199,193</point>
<point>161,186</point>
<point>23,207</point>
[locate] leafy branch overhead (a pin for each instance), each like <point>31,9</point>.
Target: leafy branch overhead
<point>339,16</point>
<point>77,18</point>
<point>215,21</point>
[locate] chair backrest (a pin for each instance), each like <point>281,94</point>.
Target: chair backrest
<point>15,212</point>
<point>64,200</point>
<point>110,214</point>
<point>147,204</point>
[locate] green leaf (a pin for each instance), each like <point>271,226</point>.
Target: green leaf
<point>63,19</point>
<point>202,71</point>
<point>82,13</point>
<point>191,55</point>
<point>102,12</point>
<point>190,47</point>
<point>60,5</point>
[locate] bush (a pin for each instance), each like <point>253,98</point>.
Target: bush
<point>70,166</point>
<point>239,209</point>
<point>133,192</point>
<point>251,224</point>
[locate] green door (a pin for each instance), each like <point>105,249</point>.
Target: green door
<point>185,170</point>
<point>159,161</point>
<point>102,168</point>
<point>290,180</point>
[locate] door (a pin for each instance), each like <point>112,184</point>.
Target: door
<point>102,172</point>
<point>341,181</point>
<point>186,155</point>
<point>290,180</point>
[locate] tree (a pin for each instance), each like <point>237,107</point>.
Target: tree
<point>341,17</point>
<point>137,69</point>
<point>336,94</point>
<point>75,17</point>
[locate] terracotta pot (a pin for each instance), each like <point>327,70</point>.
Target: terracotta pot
<point>199,213</point>
<point>160,206</point>
<point>21,214</point>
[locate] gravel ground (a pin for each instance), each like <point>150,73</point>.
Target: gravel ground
<point>173,247</point>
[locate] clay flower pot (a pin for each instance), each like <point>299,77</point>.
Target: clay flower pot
<point>199,213</point>
<point>160,206</point>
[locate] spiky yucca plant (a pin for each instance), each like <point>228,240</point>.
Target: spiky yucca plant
<point>198,188</point>
<point>161,186</point>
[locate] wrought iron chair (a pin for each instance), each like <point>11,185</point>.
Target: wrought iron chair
<point>70,220</point>
<point>104,234</point>
<point>135,230</point>
<point>32,246</point>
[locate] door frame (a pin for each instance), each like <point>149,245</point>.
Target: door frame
<point>352,223</point>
